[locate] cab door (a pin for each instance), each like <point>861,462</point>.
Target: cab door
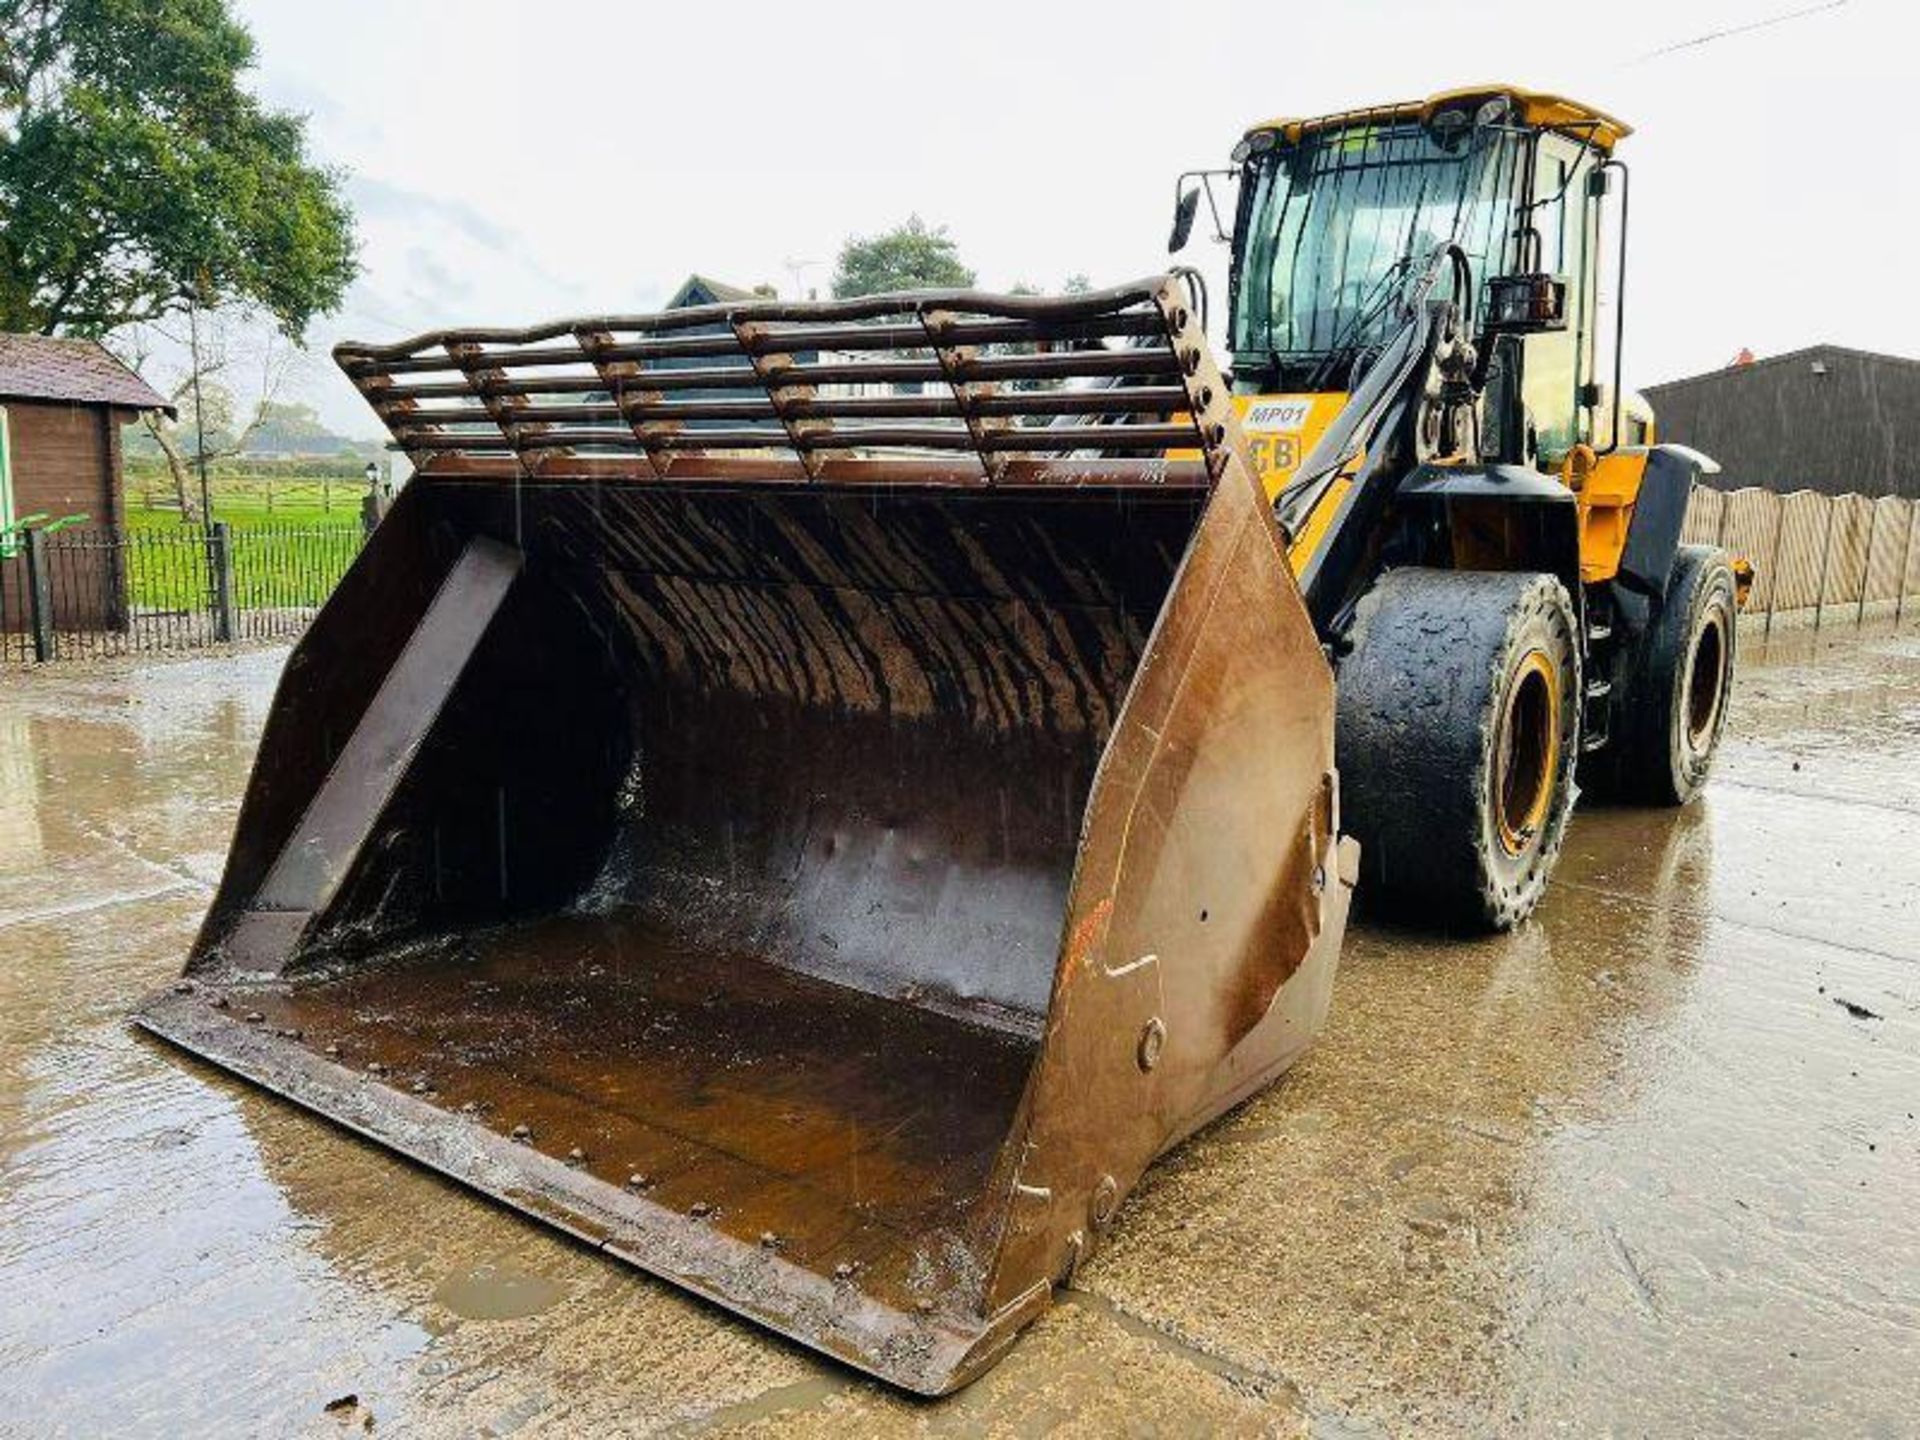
<point>1559,367</point>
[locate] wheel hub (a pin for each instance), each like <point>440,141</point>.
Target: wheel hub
<point>1526,750</point>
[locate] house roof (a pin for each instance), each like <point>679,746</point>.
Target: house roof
<point>1805,354</point>
<point>718,291</point>
<point>45,367</point>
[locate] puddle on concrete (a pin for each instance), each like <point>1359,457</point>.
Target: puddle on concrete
<point>1633,1169</point>
<point>497,1290</point>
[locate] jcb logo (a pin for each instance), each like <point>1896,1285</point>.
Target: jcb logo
<point>1274,452</point>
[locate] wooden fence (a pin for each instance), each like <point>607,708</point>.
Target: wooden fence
<point>1830,557</point>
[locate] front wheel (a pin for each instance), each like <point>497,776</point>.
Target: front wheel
<point>1459,727</point>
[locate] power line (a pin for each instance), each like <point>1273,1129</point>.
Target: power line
<point>1751,25</point>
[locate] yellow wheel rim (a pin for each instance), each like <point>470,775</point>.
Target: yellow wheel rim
<point>1706,684</point>
<point>1527,751</point>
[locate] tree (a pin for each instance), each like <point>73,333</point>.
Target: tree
<point>138,177</point>
<point>294,429</point>
<point>1075,284</point>
<point>908,257</point>
<point>230,351</point>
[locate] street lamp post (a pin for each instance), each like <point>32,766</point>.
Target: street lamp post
<point>373,506</point>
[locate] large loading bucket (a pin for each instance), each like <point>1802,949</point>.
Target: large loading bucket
<point>821,863</point>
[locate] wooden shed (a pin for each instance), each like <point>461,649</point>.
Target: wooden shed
<point>62,405</point>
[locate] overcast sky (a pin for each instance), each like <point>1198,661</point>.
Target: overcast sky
<point>515,161</point>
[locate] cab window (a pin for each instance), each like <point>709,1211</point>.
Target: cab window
<point>1558,364</point>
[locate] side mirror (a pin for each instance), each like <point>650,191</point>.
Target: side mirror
<point>1184,210</point>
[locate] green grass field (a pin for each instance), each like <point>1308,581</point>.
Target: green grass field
<point>292,537</point>
<point>249,500</point>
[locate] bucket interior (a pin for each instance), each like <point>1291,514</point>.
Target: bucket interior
<point>736,859</point>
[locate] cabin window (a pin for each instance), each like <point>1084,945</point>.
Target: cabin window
<point>1563,217</point>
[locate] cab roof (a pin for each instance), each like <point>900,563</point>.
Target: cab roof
<point>1548,112</point>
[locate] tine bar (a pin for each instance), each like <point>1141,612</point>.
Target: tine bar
<point>1134,400</point>
<point>793,366</point>
<point>937,326</point>
<point>503,406</point>
<point>772,368</point>
<point>617,373</point>
<point>826,439</point>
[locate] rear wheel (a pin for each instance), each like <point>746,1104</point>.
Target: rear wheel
<point>1683,677</point>
<point>1459,720</point>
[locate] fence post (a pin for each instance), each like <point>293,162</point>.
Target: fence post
<point>1826,558</point>
<point>1773,561</point>
<point>39,596</point>
<point>1866,566</point>
<point>1906,559</point>
<point>220,548</point>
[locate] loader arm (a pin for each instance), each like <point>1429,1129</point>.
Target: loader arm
<point>1350,476</point>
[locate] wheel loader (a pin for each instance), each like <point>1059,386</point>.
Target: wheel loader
<point>812,798</point>
<point>1486,534</point>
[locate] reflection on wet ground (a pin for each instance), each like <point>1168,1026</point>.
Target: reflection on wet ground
<point>1650,1164</point>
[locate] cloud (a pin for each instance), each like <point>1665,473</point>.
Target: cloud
<point>380,199</point>
<point>431,285</point>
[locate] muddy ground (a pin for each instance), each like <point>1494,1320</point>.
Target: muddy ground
<point>1649,1165</point>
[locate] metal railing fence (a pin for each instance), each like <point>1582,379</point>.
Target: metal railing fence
<point>85,593</point>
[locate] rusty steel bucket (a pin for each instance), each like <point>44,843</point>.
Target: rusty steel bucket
<point>805,798</point>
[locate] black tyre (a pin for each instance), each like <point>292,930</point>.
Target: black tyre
<point>1459,728</point>
<point>1669,728</point>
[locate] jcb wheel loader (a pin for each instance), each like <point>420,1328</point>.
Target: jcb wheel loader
<point>1486,536</point>
<point>812,798</point>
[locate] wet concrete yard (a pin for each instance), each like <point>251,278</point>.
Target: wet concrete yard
<point>1649,1165</point>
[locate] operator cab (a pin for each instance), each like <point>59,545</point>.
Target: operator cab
<point>1337,214</point>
